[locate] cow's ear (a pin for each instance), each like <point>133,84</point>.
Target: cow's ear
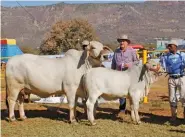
<point>107,48</point>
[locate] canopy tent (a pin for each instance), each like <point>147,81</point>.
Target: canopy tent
<point>9,49</point>
<point>136,46</point>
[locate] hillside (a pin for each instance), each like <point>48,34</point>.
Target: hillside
<point>141,21</point>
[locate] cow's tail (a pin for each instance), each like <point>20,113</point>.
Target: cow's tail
<point>7,105</point>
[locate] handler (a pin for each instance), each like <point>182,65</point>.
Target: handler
<point>174,63</point>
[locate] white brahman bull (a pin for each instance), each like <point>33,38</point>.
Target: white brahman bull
<point>112,84</point>
<point>45,77</point>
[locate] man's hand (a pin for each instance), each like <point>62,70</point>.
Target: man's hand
<point>155,69</point>
<point>125,66</point>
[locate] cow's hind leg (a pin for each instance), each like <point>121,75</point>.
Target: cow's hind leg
<point>11,103</point>
<point>12,98</point>
<point>21,106</point>
<point>71,97</point>
<point>90,108</point>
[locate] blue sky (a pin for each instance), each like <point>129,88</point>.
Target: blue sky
<point>27,3</point>
<point>9,3</point>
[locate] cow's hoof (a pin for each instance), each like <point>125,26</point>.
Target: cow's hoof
<point>74,122</point>
<point>22,118</point>
<point>11,119</point>
<point>93,123</point>
<point>139,122</point>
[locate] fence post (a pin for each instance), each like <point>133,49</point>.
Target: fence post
<point>144,56</point>
<point>145,100</point>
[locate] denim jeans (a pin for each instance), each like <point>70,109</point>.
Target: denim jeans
<point>122,102</point>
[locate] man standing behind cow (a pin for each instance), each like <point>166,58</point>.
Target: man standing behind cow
<point>124,57</point>
<point>174,63</point>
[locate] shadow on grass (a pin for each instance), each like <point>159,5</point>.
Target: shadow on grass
<point>178,131</point>
<point>62,114</point>
<point>160,120</point>
<point>107,113</point>
<point>50,113</point>
<point>164,98</point>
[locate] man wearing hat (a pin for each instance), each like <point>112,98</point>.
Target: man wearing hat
<point>174,63</point>
<point>124,57</point>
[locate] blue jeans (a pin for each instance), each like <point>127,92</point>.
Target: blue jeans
<point>122,102</point>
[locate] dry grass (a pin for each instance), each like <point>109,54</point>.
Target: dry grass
<point>2,80</point>
<point>43,120</point>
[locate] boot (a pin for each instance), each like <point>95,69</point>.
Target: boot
<point>173,113</point>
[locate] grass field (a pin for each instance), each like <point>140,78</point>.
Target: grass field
<point>44,121</point>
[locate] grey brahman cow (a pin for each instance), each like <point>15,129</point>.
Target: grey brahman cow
<point>45,77</point>
<point>113,84</point>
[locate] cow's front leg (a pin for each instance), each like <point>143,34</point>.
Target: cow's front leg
<point>90,109</point>
<point>136,108</point>
<point>71,101</point>
<point>135,100</point>
<point>132,110</point>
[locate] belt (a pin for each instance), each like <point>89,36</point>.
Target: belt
<point>176,76</point>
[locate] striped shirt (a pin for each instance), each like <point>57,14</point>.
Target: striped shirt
<point>120,58</point>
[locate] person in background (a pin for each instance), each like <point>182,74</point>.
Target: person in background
<point>124,57</point>
<point>173,63</point>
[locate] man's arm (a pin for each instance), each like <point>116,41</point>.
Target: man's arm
<point>183,59</point>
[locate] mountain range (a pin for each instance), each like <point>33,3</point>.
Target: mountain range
<point>143,22</point>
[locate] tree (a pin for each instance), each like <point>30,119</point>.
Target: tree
<point>65,35</point>
<point>27,49</point>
